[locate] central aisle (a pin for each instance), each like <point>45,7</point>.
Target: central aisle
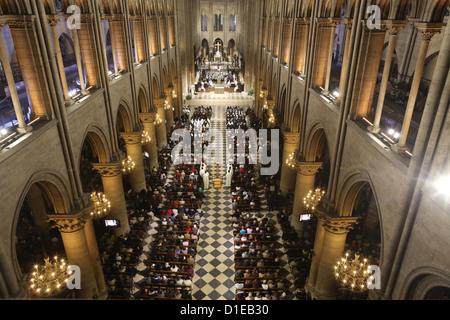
<point>214,266</point>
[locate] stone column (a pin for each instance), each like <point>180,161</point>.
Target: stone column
<point>269,35</point>
<point>76,45</point>
<point>138,37</point>
<point>263,30</point>
<point>307,24</point>
<point>113,189</point>
<point>23,32</point>
<point>286,42</point>
<point>162,31</point>
<point>119,40</point>
<point>161,131</point>
<point>333,24</point>
<point>172,41</point>
<point>305,182</point>
<point>317,252</point>
<point>95,258</point>
<point>62,72</point>
<point>336,230</point>
<point>148,120</point>
<point>276,37</point>
<point>77,251</point>
<point>169,110</point>
<point>270,114</point>
<point>371,48</point>
<point>133,143</point>
<point>152,34</point>
<point>86,38</point>
<point>428,31</point>
<point>345,59</point>
<point>290,144</point>
<point>22,126</point>
<point>394,27</point>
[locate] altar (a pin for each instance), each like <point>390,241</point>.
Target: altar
<point>219,90</point>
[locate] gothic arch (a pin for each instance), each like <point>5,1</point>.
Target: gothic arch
<point>143,101</point>
<point>296,118</point>
<point>317,142</point>
<point>124,113</point>
<point>422,281</point>
<point>98,141</point>
<point>155,87</point>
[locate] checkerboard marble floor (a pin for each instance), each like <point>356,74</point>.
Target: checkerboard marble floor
<point>214,267</point>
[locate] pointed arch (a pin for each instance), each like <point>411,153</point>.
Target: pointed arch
<point>143,100</point>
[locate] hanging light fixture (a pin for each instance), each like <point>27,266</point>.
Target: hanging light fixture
<point>313,198</point>
<point>158,120</point>
<point>49,279</point>
<point>167,105</point>
<point>353,274</point>
<point>174,94</point>
<point>128,165</point>
<point>102,206</point>
<point>290,161</point>
<point>146,139</point>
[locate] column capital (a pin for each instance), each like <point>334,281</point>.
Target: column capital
<point>168,91</point>
<point>20,21</point>
<point>68,223</point>
<point>428,30</point>
<point>108,169</point>
<point>307,168</point>
<point>328,22</point>
<point>53,20</point>
<point>394,26</point>
<point>382,29</point>
<point>303,21</point>
<point>348,23</point>
<point>136,18</point>
<point>291,137</point>
<point>147,117</point>
<point>270,104</point>
<point>84,17</point>
<point>339,225</point>
<point>159,103</point>
<point>131,137</point>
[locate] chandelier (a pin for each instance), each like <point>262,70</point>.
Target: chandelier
<point>352,274</point>
<point>145,138</point>
<point>166,105</point>
<point>128,165</point>
<point>174,94</point>
<point>265,106</point>
<point>102,206</point>
<point>158,119</point>
<point>49,279</point>
<point>272,118</point>
<point>290,161</point>
<point>313,198</point>
<point>261,94</point>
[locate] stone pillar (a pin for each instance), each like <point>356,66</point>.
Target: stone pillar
<point>276,37</point>
<point>162,31</point>
<point>301,32</point>
<point>270,114</point>
<point>305,182</point>
<point>169,110</point>
<point>77,250</point>
<point>263,30</point>
<point>317,252</point>
<point>22,126</point>
<point>153,35</point>
<point>336,230</point>
<point>286,42</point>
<point>269,35</point>
<point>371,48</point>
<point>95,258</point>
<point>394,28</point>
<point>76,45</point>
<point>119,40</point>
<point>333,24</point>
<point>86,38</point>
<point>172,38</point>
<point>290,144</point>
<point>345,59</point>
<point>428,31</point>
<point>138,37</point>
<point>62,72</point>
<point>23,32</point>
<point>161,131</point>
<point>113,189</point>
<point>133,143</point>
<point>148,121</point>
<point>325,28</point>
